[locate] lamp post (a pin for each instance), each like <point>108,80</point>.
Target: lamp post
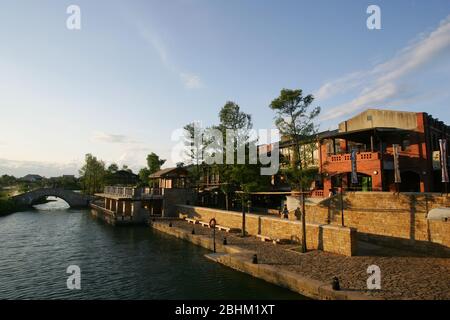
<point>303,216</point>
<point>243,216</point>
<point>212,224</point>
<point>342,201</point>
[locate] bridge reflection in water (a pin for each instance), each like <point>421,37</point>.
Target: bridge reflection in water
<point>73,199</point>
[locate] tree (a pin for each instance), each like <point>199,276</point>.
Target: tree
<point>113,168</point>
<point>194,141</point>
<point>154,163</point>
<point>6,180</point>
<point>125,168</point>
<point>92,175</point>
<point>232,118</point>
<point>296,121</point>
<point>143,176</point>
<point>244,177</point>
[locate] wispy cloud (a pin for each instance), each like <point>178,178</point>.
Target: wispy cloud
<point>111,138</point>
<point>339,86</point>
<point>386,82</point>
<point>190,80</point>
<point>155,42</point>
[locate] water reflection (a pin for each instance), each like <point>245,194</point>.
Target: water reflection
<point>116,262</point>
<point>53,204</point>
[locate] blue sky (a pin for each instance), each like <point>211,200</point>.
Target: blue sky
<point>138,70</point>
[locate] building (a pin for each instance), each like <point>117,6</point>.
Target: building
<point>122,178</point>
<point>131,204</point>
<point>176,177</point>
<point>372,134</point>
<point>31,178</point>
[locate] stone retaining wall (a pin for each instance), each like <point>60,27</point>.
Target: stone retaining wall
<point>335,239</point>
<point>390,219</point>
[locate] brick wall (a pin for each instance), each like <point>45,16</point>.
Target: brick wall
<point>335,239</point>
<point>173,196</point>
<point>390,219</point>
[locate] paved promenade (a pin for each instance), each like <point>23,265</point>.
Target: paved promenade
<point>404,275</point>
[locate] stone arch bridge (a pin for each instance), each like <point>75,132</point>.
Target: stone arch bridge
<point>74,199</point>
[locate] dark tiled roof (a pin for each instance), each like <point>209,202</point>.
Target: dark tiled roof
<point>166,171</point>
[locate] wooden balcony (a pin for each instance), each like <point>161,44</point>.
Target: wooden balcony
<point>152,193</point>
<point>132,193</point>
<point>123,192</point>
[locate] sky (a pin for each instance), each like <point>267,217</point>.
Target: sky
<point>137,71</point>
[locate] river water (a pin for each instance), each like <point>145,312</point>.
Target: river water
<point>37,246</point>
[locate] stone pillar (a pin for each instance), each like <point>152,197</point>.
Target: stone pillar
<point>377,183</point>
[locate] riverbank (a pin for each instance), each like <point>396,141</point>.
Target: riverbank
<point>404,275</point>
<point>8,206</point>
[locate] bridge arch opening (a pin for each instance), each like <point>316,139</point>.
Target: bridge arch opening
<point>73,199</point>
<point>50,203</point>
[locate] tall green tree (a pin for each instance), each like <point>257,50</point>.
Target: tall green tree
<point>92,174</point>
<point>245,177</point>
<point>295,120</point>
<point>154,164</point>
<point>194,141</point>
<point>143,176</point>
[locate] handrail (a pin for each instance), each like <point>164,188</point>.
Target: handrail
<point>132,192</point>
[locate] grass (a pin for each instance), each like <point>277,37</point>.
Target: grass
<point>6,205</point>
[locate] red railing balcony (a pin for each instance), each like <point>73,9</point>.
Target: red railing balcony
<point>362,156</point>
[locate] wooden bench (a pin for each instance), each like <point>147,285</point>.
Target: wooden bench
<point>193,221</point>
<point>204,224</point>
<point>263,238</point>
<point>226,229</point>
<point>274,241</point>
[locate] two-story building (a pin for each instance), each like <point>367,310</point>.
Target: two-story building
<point>372,134</point>
<point>132,204</point>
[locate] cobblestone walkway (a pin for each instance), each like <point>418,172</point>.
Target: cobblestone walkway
<point>403,276</point>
